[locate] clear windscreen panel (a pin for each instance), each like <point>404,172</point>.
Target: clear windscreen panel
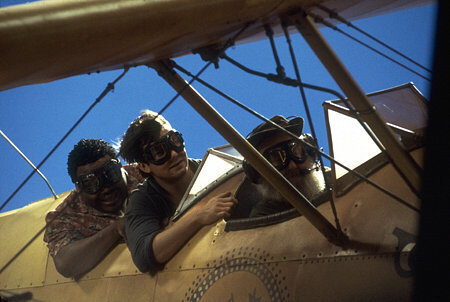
<point>352,146</point>
<point>214,166</point>
<point>403,108</point>
<point>217,164</point>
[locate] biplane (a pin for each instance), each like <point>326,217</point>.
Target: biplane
<point>359,245</point>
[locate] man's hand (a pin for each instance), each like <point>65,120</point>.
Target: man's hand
<point>218,207</point>
<point>167,243</point>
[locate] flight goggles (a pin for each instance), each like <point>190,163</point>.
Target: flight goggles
<point>93,181</point>
<point>280,155</point>
<point>159,151</point>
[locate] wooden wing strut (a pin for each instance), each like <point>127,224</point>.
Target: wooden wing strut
<point>401,159</point>
<point>274,177</point>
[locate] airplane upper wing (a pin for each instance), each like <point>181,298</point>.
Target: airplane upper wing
<point>49,40</point>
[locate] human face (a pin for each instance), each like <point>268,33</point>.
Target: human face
<point>159,151</point>
<point>281,154</point>
<point>307,180</point>
<point>175,164</point>
<point>287,156</point>
<point>106,197</point>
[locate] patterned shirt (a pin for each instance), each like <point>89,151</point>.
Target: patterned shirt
<point>79,220</point>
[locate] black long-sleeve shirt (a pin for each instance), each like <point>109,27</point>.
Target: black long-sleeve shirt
<point>147,214</point>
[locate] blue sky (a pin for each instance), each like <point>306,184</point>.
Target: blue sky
<point>36,117</point>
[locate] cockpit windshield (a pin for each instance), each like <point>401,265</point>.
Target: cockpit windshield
<point>218,164</point>
<point>403,108</point>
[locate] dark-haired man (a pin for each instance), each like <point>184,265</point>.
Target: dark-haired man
<point>295,161</point>
<point>89,222</point>
<point>159,149</point>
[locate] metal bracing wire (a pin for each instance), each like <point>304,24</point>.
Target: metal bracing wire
<point>334,15</point>
<point>108,88</point>
<point>308,114</point>
<point>328,24</point>
<point>29,162</point>
<point>261,117</point>
<point>402,161</point>
<point>269,34</point>
<point>212,60</point>
<point>13,258</point>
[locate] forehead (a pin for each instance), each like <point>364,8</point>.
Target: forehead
<point>92,166</point>
<point>275,139</point>
<point>164,130</point>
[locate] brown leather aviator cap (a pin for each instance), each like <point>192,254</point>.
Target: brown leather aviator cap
<point>264,130</point>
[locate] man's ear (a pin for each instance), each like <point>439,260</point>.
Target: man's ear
<point>144,167</point>
<point>77,189</point>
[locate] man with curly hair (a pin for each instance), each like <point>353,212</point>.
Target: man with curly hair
<point>89,222</point>
<point>159,151</point>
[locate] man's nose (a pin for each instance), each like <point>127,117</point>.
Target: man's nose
<point>173,154</point>
<point>106,187</point>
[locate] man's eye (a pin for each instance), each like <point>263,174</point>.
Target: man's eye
<point>176,140</point>
<point>90,180</point>
<point>158,151</point>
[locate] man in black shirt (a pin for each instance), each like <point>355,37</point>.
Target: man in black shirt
<point>159,151</point>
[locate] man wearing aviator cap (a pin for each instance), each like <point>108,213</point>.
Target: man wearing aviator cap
<point>295,160</point>
<point>89,222</point>
<point>159,149</point>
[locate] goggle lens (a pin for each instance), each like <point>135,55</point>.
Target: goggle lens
<point>93,181</point>
<point>158,152</point>
<point>277,158</point>
<point>280,155</point>
<point>296,149</point>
